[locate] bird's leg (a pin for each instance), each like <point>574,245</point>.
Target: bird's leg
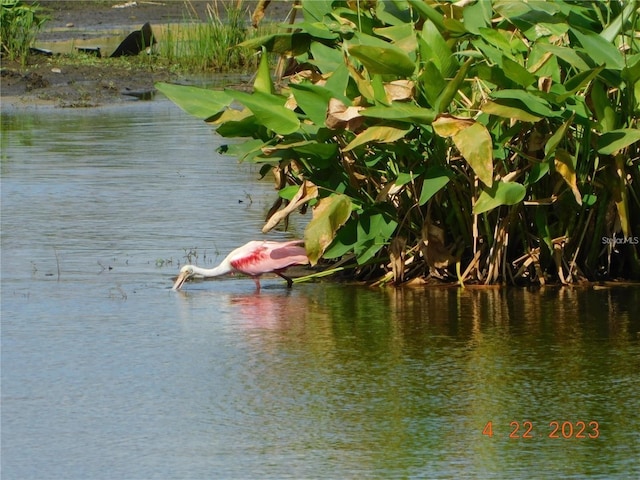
<point>257,281</point>
<point>289,281</point>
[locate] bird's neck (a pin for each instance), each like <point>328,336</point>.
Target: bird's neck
<point>221,269</point>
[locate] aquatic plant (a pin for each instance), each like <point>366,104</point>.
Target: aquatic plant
<point>19,25</point>
<point>487,142</point>
<point>212,43</point>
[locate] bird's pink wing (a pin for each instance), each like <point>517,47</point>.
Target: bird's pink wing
<point>256,258</point>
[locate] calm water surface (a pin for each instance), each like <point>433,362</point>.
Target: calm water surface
<point>107,373</point>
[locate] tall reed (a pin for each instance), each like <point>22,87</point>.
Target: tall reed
<point>19,25</point>
<point>211,43</point>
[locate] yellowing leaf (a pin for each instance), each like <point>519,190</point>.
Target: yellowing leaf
<point>399,90</point>
<point>564,166</point>
<point>380,134</point>
<point>621,195</point>
<point>473,140</point>
<point>328,216</point>
<point>339,116</point>
<point>507,111</point>
<point>448,125</point>
<point>306,192</point>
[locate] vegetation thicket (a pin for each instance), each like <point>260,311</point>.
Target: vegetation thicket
<point>487,142</point>
<point>19,25</point>
<point>210,43</point>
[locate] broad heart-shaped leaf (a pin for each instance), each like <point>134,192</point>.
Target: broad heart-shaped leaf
<point>269,110</point>
<point>610,142</point>
<point>426,11</point>
<point>374,231</point>
<point>401,112</point>
<point>313,100</point>
<point>315,10</point>
<point>500,193</point>
<point>329,215</point>
<point>199,102</point>
<point>564,53</point>
<point>435,180</point>
<point>383,60</point>
<point>434,48</point>
<point>378,133</point>
<point>530,102</point>
<point>516,72</point>
<point>601,51</point>
<point>327,59</point>
<point>243,151</point>
<point>509,109</point>
<point>476,147</point>
<point>473,140</point>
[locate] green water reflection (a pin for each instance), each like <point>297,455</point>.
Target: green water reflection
<point>402,382</point>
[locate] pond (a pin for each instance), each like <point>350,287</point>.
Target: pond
<point>107,373</point>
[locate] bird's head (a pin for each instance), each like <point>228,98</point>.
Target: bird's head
<point>186,273</point>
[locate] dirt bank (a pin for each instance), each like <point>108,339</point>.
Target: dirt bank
<point>65,82</point>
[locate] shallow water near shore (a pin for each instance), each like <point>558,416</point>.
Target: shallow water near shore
<point>107,373</point>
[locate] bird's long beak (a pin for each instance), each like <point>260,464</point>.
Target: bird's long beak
<point>180,281</point>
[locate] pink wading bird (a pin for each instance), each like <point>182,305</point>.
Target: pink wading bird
<point>253,259</point>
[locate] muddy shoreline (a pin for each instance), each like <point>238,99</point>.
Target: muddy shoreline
<point>64,82</point>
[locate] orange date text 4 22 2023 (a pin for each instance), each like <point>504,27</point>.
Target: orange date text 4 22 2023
<point>554,429</point>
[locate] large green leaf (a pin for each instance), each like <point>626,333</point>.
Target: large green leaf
<point>476,15</point>
<point>402,112</point>
<point>426,11</point>
<point>199,102</point>
<point>244,151</point>
<point>403,36</point>
<point>374,231</point>
<point>329,215</point>
<point>383,60</point>
<point>317,30</point>
<point>269,110</point>
<point>434,48</point>
<point>565,53</point>
<point>507,109</point>
<point>578,81</point>
<point>327,59</point>
<point>615,140</point>
<point>501,193</point>
<point>530,102</point>
<point>601,51</point>
<point>516,72</point>
<point>435,179</point>
<point>432,82</point>
<point>313,100</point>
<point>315,10</point>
